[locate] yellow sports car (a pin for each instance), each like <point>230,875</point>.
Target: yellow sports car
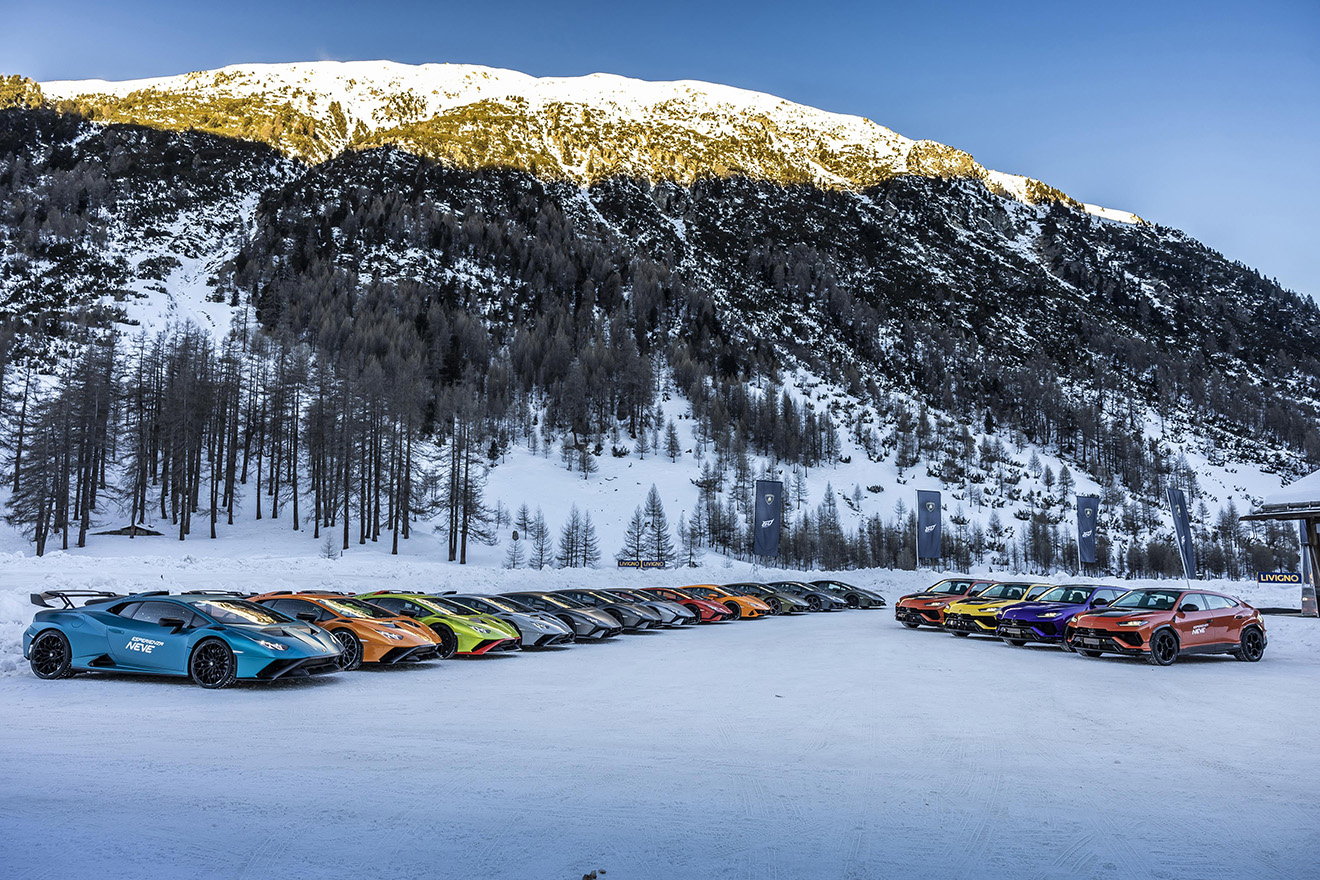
<point>979,614</point>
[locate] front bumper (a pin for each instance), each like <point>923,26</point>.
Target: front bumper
<point>493,646</point>
<point>1109,641</point>
<point>1020,630</point>
<point>920,616</point>
<point>299,667</point>
<point>969,624</point>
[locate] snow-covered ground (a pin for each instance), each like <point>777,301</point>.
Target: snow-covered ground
<point>821,746</point>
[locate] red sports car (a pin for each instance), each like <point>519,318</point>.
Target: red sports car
<point>707,610</point>
<point>927,607</point>
<point>1161,624</point>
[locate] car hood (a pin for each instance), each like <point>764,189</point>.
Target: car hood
<point>1119,615</point>
<point>306,637</point>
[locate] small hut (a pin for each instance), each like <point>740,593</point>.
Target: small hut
<point>1299,501</point>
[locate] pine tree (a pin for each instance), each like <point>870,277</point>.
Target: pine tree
<point>590,543</point>
<point>542,549</point>
<point>570,540</point>
<point>516,555</point>
<point>673,448</point>
<point>634,547</point>
<point>659,542</point>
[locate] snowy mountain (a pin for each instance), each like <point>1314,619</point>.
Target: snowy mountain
<point>582,129</point>
<point>598,257</point>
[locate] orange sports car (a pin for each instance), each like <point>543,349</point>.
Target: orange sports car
<point>368,634</point>
<point>927,607</point>
<point>739,606</point>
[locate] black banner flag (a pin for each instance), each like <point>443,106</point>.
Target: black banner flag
<point>765,531</point>
<point>1182,525</point>
<point>928,524</point>
<point>1088,511</point>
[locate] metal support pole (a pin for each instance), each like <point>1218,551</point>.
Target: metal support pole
<point>1309,608</point>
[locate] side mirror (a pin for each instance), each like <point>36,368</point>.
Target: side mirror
<point>1188,606</point>
<point>309,616</point>
<point>171,622</point>
<point>1098,602</point>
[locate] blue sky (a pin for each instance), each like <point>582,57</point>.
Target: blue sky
<point>1204,116</point>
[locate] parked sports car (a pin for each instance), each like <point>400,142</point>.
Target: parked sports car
<point>213,639</point>
<point>779,602</point>
<point>1044,619</point>
<point>629,614</point>
<point>816,598</point>
<point>978,615</point>
<point>587,622</point>
<point>461,630</point>
<point>366,634</point>
<point>856,597</point>
<point>707,610</point>
<point>1161,625</point>
<point>927,607</point>
<point>671,613</point>
<point>739,605</point>
<point>536,628</point>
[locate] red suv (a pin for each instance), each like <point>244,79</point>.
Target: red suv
<point>1161,624</point>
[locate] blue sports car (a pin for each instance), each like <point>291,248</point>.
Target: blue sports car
<point>213,638</point>
<point>1045,619</point>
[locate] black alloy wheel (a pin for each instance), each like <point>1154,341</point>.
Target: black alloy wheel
<point>213,665</point>
<point>50,655</point>
<point>1163,648</point>
<point>448,641</point>
<point>350,654</point>
<point>735,611</point>
<point>1251,645</point>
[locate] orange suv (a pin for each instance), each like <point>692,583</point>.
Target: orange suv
<point>1162,624</point>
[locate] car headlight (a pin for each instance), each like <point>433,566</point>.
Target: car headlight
<point>1049,615</point>
<point>477,628</point>
<point>271,646</point>
<point>1133,623</point>
<point>393,637</point>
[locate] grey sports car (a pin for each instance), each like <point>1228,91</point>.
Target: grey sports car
<point>633,616</point>
<point>671,613</point>
<point>779,601</point>
<point>538,629</point>
<point>816,598</point>
<point>587,623</point>
<point>856,597</point>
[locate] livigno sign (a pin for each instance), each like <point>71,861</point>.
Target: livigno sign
<point>641,563</point>
<point>1278,577</point>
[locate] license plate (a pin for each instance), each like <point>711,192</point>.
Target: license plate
<point>1091,643</point>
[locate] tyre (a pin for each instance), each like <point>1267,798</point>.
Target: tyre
<point>735,611</point>
<point>350,654</point>
<point>1087,652</point>
<point>1163,648</point>
<point>1016,643</point>
<point>776,607</point>
<point>854,601</point>
<point>1251,645</point>
<point>813,603</point>
<point>50,656</point>
<point>213,665</point>
<point>695,610</point>
<point>909,624</point>
<point>448,641</point>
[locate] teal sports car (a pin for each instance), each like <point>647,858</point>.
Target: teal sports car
<point>215,639</point>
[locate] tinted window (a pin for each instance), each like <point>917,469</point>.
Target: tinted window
<point>1216,603</point>
<point>152,612</point>
<point>1107,595</point>
<point>294,607</point>
<point>391,604</point>
<point>127,610</point>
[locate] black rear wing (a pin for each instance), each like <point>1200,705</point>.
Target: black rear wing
<point>66,597</point>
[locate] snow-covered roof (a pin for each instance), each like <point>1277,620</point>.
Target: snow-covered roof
<point>1305,493</point>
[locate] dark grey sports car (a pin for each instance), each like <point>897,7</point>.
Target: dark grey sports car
<point>816,598</point>
<point>586,623</point>
<point>633,616</point>
<point>856,597</point>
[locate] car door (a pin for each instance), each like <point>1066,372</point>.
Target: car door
<point>140,642</point>
<point>1223,624</point>
<point>1193,621</point>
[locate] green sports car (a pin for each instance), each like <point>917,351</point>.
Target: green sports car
<point>462,630</point>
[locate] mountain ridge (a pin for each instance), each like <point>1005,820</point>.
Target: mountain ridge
<point>583,129</point>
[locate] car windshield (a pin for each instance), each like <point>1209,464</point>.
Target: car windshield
<point>1148,600</point>
<point>1005,591</point>
<point>354,608</point>
<point>444,606</point>
<point>555,601</point>
<point>1036,591</point>
<point>239,612</point>
<point>505,605</point>
<point>676,594</point>
<point>604,597</point>
<point>630,596</point>
<point>1067,595</point>
<point>952,588</point>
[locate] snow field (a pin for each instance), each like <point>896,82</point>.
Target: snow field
<point>829,745</point>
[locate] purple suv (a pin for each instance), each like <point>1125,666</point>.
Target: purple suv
<point>1045,619</point>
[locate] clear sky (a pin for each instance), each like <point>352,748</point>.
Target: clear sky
<point>1199,115</point>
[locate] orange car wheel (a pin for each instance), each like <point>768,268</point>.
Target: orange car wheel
<point>735,610</point>
<point>350,655</point>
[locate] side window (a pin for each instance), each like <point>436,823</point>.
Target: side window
<point>294,607</point>
<point>1191,602</point>
<point>129,609</point>
<point>1217,603</point>
<point>152,612</point>
<point>413,608</point>
<point>1109,595</point>
<point>389,604</point>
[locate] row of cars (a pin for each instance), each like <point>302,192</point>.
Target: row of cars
<point>1091,619</point>
<point>218,637</point>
